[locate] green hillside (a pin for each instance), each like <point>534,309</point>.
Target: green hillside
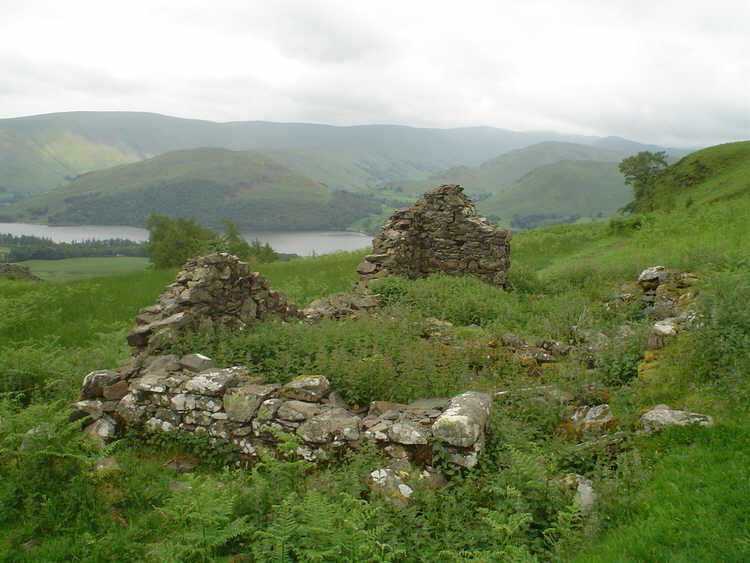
<point>40,153</point>
<point>564,192</point>
<point>705,177</point>
<point>681,494</point>
<point>501,172</point>
<point>207,184</point>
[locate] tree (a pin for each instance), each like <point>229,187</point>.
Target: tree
<point>171,242</point>
<point>234,242</point>
<point>641,172</point>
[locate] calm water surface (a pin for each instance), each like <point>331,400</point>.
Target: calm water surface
<point>304,243</point>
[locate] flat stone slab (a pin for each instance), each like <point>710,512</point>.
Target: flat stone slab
<point>214,382</point>
<point>662,416</point>
<point>310,388</point>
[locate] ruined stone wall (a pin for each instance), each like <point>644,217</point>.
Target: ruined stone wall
<point>440,233</point>
<point>17,271</point>
<point>218,287</point>
<point>188,394</point>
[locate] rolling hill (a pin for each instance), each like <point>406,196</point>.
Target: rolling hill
<point>564,192</point>
<point>503,171</point>
<point>40,153</point>
<point>207,184</point>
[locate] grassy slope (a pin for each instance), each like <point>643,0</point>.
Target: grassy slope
<point>678,496</point>
<point>37,153</point>
<point>503,171</point>
<point>560,192</point>
<point>208,184</point>
<point>82,268</point>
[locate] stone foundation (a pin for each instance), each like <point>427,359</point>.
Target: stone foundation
<point>166,393</point>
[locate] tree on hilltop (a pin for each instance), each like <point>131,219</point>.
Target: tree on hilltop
<point>641,172</point>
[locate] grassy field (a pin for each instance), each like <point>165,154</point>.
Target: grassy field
<point>681,495</point>
<point>81,268</point>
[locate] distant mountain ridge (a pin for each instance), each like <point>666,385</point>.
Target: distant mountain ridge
<point>40,153</point>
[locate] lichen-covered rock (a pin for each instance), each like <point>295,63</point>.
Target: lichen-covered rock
<point>465,420</point>
<point>408,433</point>
<point>331,425</point>
<point>661,331</point>
<point>131,410</point>
<point>310,388</point>
<point>242,403</point>
<point>440,233</point>
<point>592,420</point>
<point>662,416</point>
<point>215,381</point>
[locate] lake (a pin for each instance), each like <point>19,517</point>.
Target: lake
<point>304,243</point>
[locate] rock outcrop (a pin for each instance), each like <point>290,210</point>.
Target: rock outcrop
<point>440,233</point>
<point>218,287</point>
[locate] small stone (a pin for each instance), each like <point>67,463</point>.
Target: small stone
<point>310,388</point>
<point>196,363</point>
<point>241,403</point>
<point>297,411</point>
<point>95,382</point>
<point>408,433</point>
<point>116,391</point>
<point>102,430</point>
<point>596,419</point>
<point>215,381</point>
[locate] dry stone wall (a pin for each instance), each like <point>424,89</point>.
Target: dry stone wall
<point>188,394</point>
<point>440,233</point>
<point>218,287</point>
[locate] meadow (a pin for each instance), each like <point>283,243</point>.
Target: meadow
<point>681,495</point>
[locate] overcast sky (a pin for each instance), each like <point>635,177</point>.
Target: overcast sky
<point>673,73</point>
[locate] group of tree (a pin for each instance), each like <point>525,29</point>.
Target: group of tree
<point>173,241</point>
<point>27,247</point>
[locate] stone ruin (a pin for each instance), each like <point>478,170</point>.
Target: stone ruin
<point>189,394</point>
<point>17,271</point>
<point>440,233</point>
<point>218,287</point>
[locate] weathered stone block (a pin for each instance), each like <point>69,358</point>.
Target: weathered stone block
<point>310,388</point>
<point>465,420</point>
